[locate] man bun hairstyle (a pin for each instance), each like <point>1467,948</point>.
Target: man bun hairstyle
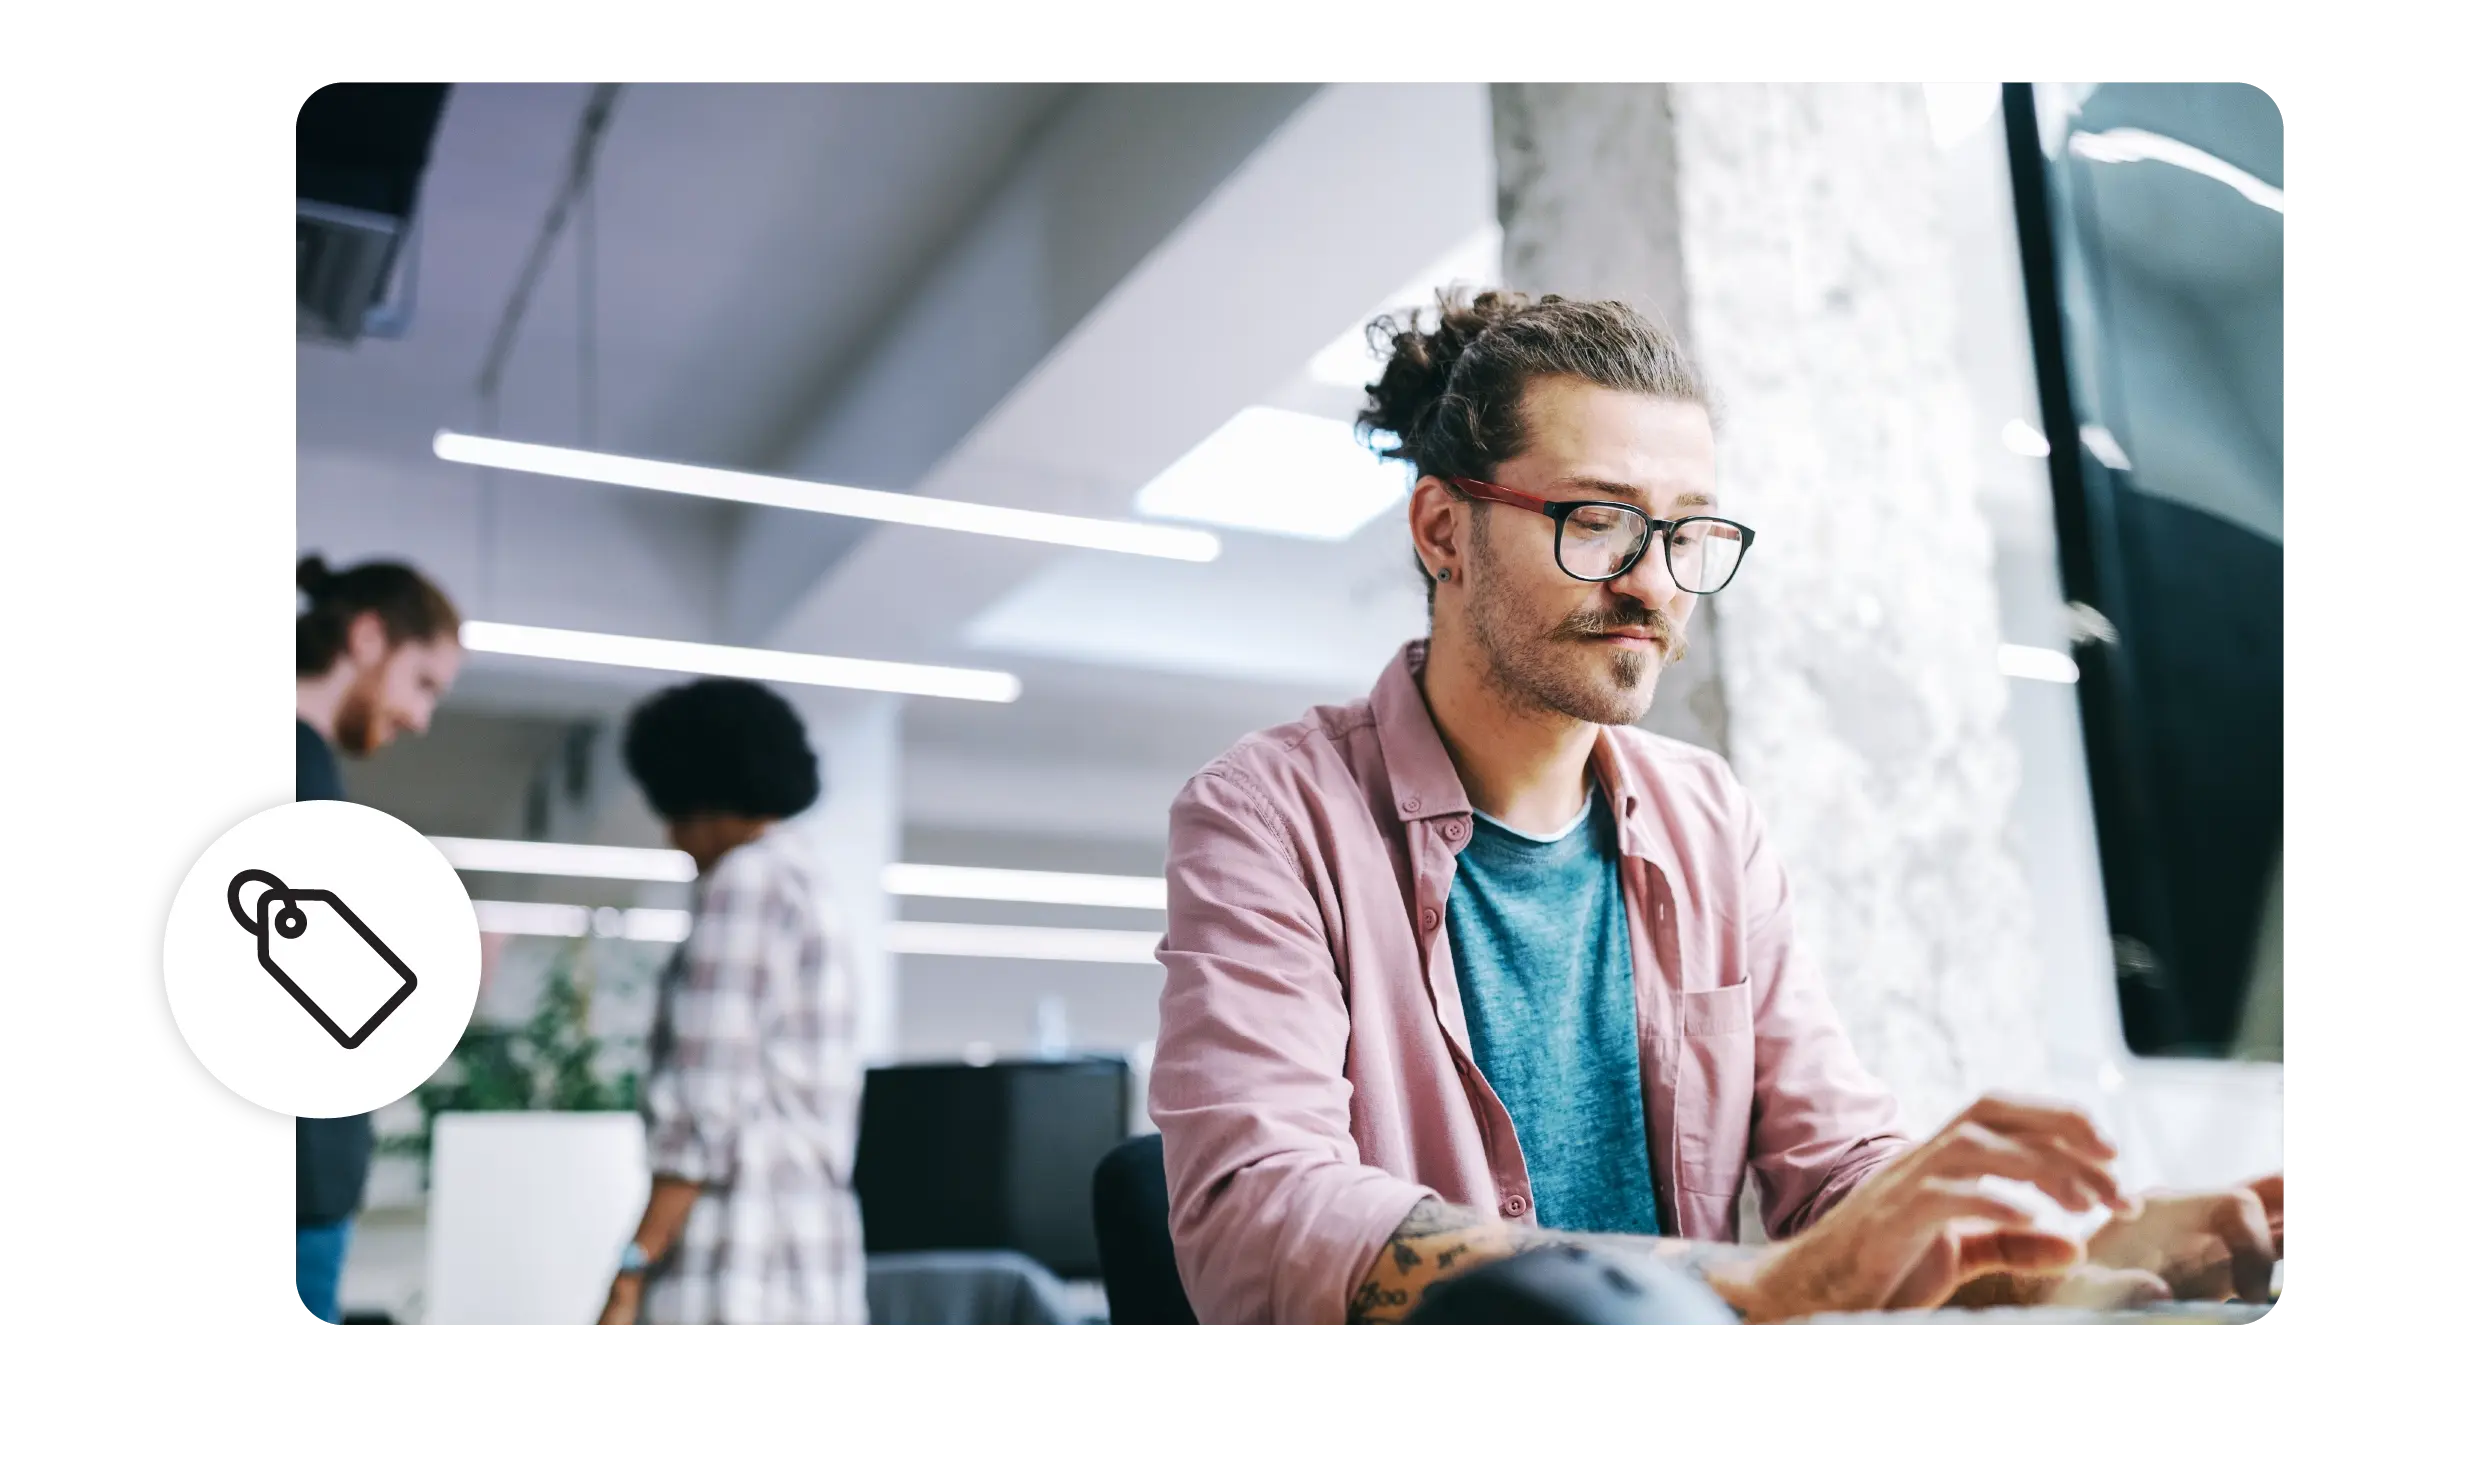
<point>723,745</point>
<point>1451,394</point>
<point>411,609</point>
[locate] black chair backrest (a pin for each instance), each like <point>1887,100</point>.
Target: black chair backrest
<point>1137,1260</point>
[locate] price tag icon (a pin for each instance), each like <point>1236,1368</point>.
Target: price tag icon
<point>322,953</point>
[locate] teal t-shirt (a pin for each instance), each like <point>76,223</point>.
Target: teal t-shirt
<point>1539,934</point>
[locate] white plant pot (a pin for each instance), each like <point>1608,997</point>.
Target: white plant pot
<point>527,1212</point>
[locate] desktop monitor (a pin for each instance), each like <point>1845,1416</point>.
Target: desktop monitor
<point>989,1156</point>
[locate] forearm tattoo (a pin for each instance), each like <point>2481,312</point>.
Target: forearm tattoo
<point>1435,1240</point>
<point>1438,1240</point>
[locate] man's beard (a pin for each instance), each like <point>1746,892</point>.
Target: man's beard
<point>1536,671</point>
<point>358,724</point>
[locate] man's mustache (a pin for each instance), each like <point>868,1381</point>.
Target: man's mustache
<point>1637,618</point>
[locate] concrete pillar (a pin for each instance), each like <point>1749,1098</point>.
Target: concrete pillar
<point>1579,171</point>
<point>1795,238</point>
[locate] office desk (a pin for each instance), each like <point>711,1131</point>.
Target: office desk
<point>2162,1313</point>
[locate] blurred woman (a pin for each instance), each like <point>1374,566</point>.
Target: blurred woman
<point>754,1076</point>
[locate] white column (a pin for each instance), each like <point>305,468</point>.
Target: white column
<point>1796,237</point>
<point>1585,178</point>
<point>854,830</point>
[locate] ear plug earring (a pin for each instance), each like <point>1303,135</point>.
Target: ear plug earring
<point>1446,574</point>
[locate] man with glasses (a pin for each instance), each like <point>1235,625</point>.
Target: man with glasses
<point>1474,966</point>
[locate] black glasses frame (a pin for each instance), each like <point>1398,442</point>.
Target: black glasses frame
<point>1561,511</point>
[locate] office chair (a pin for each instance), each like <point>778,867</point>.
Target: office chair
<point>1137,1259</point>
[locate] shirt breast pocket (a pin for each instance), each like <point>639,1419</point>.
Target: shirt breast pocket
<point>1717,1086</point>
<point>1716,1013</point>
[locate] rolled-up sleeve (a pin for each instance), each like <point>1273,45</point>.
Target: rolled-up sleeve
<point>1822,1122</point>
<point>704,1087</point>
<point>1273,1215</point>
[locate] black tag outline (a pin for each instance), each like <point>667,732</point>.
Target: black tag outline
<point>380,947</point>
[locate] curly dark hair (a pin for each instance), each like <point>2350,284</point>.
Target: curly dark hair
<point>724,745</point>
<point>1451,394</point>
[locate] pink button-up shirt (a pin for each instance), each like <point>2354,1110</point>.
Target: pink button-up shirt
<point>1314,1078</point>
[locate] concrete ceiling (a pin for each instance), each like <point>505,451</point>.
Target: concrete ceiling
<point>1029,295</point>
<point>748,241</point>
<point>1223,312</point>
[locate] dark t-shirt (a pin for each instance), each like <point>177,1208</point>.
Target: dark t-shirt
<point>330,1156</point>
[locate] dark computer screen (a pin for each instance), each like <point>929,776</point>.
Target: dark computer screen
<point>989,1156</point>
<point>2151,219</point>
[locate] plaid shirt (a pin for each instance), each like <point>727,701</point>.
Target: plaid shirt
<point>753,1090</point>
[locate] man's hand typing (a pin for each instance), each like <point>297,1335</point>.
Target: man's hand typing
<point>2220,1245</point>
<point>1910,1236</point>
<point>1922,1227</point>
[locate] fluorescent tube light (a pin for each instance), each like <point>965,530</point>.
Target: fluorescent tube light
<point>2019,661</point>
<point>516,917</point>
<point>1026,886</point>
<point>572,860</point>
<point>918,880</point>
<point>1282,472</point>
<point>2133,145</point>
<point>2023,440</point>
<point>521,917</point>
<point>1118,535</point>
<point>738,662</point>
<point>658,925</point>
<point>1021,942</point>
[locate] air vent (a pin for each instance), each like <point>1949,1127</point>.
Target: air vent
<point>342,262</point>
<point>359,158</point>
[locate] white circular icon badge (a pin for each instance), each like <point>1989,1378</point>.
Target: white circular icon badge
<point>322,959</point>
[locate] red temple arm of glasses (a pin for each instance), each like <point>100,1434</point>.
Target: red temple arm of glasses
<point>1496,493</point>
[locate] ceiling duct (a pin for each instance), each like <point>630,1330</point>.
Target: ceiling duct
<point>359,156</point>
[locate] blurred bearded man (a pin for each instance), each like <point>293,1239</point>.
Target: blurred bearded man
<point>375,648</point>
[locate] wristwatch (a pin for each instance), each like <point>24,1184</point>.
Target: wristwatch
<point>634,1260</point>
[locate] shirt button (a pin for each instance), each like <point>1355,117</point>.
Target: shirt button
<point>1455,830</point>
<point>1514,1207</point>
<point>1410,804</point>
<point>1427,919</point>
